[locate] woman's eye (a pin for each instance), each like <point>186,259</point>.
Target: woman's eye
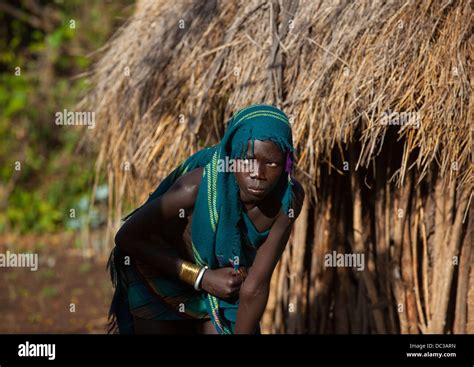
<point>272,164</point>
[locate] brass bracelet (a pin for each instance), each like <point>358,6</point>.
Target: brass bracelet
<point>189,272</point>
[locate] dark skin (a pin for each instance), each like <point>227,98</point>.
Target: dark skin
<point>167,220</point>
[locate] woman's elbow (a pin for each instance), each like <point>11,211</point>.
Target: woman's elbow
<point>121,241</point>
<point>251,290</point>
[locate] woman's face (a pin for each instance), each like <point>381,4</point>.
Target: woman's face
<point>263,173</point>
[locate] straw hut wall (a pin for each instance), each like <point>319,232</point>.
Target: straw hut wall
<point>379,95</point>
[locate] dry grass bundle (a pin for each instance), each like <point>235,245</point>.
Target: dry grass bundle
<point>341,70</point>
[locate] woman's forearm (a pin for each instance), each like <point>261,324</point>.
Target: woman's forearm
<point>251,308</point>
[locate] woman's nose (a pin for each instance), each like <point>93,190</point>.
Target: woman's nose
<point>257,171</point>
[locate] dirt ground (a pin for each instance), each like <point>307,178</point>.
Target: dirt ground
<point>69,293</point>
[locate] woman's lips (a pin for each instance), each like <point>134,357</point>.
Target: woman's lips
<point>255,191</point>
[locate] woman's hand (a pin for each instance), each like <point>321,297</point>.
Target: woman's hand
<point>222,282</point>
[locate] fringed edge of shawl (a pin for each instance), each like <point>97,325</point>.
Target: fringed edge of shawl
<point>112,323</point>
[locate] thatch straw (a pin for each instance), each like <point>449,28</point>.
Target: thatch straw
<point>163,91</point>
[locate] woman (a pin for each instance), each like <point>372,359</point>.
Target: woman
<point>198,256</point>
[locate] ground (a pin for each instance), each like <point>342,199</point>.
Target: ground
<point>40,301</point>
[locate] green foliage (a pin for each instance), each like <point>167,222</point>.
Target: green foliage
<point>38,77</point>
<point>50,292</point>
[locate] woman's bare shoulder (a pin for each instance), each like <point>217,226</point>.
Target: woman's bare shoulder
<point>190,181</point>
<point>286,220</point>
<point>298,191</point>
<point>298,198</point>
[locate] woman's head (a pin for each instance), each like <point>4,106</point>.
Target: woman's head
<point>264,167</point>
<point>261,136</point>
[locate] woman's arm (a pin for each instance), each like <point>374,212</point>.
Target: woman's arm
<point>134,237</point>
<point>253,296</point>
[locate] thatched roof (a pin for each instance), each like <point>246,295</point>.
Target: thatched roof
<point>177,70</point>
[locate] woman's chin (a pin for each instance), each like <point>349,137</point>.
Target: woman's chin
<point>249,198</point>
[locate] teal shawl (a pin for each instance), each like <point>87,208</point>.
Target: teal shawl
<point>216,229</point>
